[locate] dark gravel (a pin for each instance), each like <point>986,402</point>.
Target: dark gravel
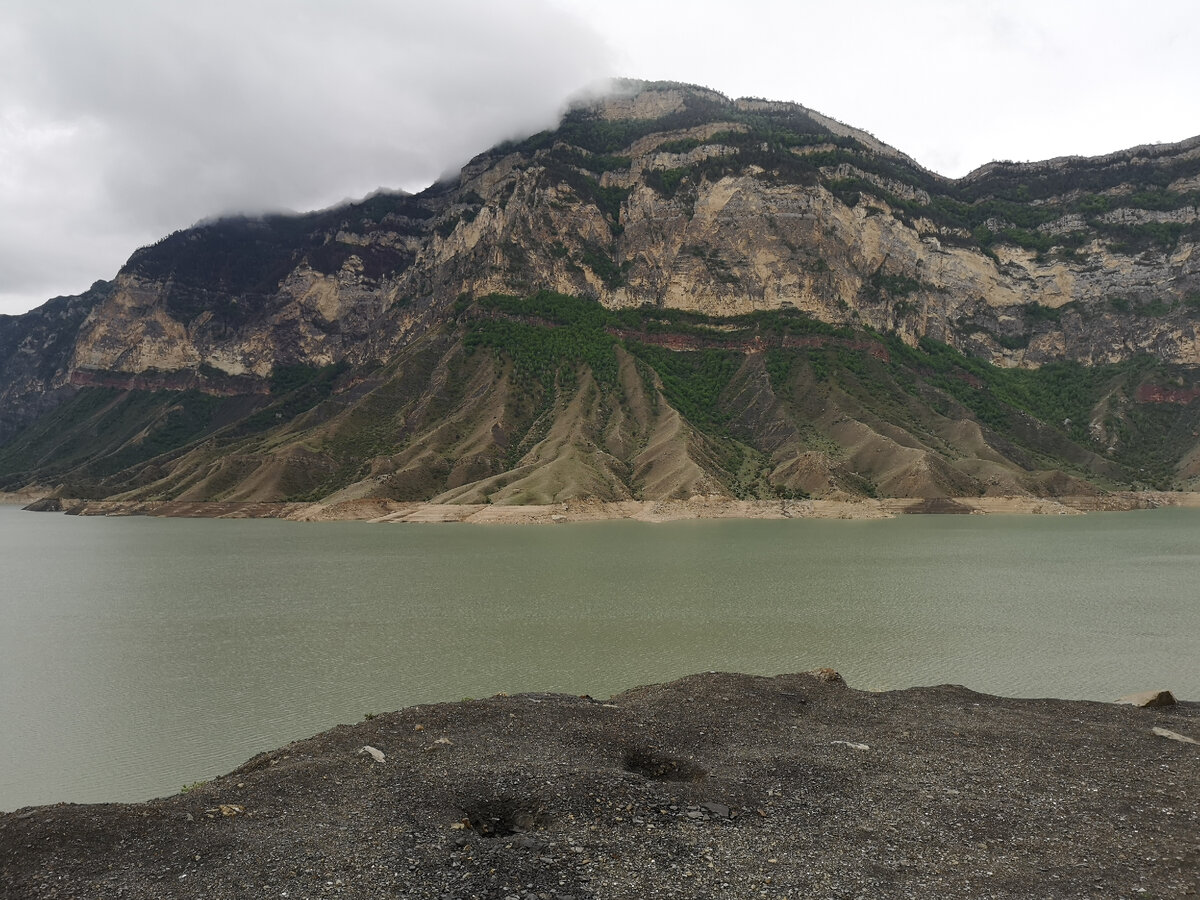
<point>713,786</point>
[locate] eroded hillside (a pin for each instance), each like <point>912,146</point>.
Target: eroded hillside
<point>550,397</point>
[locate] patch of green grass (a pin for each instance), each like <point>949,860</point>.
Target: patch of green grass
<point>1155,308</point>
<point>602,263</point>
<point>1036,312</point>
<point>692,381</point>
<point>779,367</point>
<point>682,145</point>
<point>1147,236</point>
<point>666,182</point>
<point>882,284</point>
<point>299,389</point>
<point>540,353</point>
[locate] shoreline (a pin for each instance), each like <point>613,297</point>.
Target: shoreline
<point>698,507</point>
<point>713,785</point>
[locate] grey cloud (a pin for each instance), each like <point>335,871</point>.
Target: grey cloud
<point>122,121</point>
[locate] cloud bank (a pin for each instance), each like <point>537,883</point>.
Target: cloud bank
<point>120,122</point>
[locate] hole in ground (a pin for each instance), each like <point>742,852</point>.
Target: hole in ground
<point>500,816</point>
<point>658,766</point>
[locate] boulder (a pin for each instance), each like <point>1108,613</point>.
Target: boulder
<point>1149,698</point>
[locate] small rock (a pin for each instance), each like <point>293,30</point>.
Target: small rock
<point>1175,736</point>
<point>853,745</point>
<point>720,810</point>
<point>375,752</point>
<point>525,842</point>
<point>1149,698</point>
<point>827,675</point>
<point>231,809</point>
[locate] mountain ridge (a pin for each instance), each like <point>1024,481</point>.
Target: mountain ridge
<point>683,212</point>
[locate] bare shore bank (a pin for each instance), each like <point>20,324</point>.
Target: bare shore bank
<point>698,507</point>
<point>717,785</point>
<point>21,498</point>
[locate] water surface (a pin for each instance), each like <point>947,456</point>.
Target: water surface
<point>138,654</point>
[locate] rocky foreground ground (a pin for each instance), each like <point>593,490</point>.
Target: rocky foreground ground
<point>713,786</point>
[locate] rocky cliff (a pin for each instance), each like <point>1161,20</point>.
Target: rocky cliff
<point>680,216</point>
<point>35,357</point>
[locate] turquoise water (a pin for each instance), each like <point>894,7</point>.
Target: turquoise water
<point>140,654</point>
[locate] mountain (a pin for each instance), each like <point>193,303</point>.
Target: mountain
<point>670,294</point>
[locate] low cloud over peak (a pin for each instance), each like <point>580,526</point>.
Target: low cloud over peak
<point>121,122</point>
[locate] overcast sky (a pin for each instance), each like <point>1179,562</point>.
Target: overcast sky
<point>124,120</point>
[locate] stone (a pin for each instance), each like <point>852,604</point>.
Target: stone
<point>525,842</point>
<point>375,753</point>
<point>1175,736</point>
<point>853,745</point>
<point>1148,698</point>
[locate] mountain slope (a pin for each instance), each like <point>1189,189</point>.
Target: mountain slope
<point>748,298</point>
<point>550,397</point>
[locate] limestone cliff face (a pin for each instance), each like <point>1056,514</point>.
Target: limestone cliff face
<point>728,236</point>
<point>318,294</point>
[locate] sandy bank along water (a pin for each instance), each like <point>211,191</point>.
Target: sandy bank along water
<point>716,785</point>
<point>697,507</point>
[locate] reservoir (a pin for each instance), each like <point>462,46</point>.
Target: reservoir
<point>138,655</point>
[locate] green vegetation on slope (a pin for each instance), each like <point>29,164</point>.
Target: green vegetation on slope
<point>547,334</point>
<point>542,354</point>
<point>758,391</point>
<point>103,431</point>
